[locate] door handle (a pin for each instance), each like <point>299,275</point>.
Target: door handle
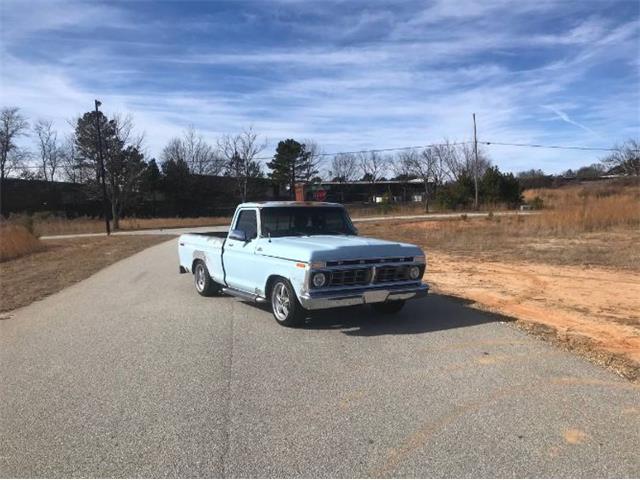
<point>230,244</point>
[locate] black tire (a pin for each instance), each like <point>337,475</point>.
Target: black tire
<point>205,285</point>
<point>392,306</point>
<point>284,304</point>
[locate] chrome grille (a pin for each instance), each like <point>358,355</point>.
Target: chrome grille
<point>391,273</point>
<point>368,261</point>
<point>350,277</point>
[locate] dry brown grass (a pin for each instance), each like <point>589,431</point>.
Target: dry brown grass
<point>581,228</point>
<point>585,208</point>
<point>63,226</point>
<point>32,277</point>
<point>16,241</point>
<point>362,211</point>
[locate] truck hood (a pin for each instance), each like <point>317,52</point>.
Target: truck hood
<point>318,248</point>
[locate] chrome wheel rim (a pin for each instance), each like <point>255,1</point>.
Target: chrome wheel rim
<point>200,277</point>
<point>281,301</point>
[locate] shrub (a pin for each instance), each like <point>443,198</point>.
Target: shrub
<point>24,220</point>
<point>16,241</point>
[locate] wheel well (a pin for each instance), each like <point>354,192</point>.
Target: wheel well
<point>270,281</point>
<point>193,264</point>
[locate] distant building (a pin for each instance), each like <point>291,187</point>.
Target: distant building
<point>366,192</point>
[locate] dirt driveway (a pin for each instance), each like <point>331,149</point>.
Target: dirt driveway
<point>593,310</point>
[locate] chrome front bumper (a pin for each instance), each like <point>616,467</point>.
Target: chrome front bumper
<point>344,298</point>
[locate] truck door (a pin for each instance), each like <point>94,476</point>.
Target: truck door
<point>238,255</point>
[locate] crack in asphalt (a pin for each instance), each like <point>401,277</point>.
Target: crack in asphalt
<point>226,433</point>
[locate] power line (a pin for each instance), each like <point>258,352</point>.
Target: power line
<point>378,150</point>
<point>557,147</point>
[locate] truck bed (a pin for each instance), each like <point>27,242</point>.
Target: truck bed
<point>211,234</point>
<point>206,246</point>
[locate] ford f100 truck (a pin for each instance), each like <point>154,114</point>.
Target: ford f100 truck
<point>302,256</point>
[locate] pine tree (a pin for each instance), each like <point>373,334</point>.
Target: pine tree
<point>289,164</point>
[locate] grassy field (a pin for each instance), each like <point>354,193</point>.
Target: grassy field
<point>56,264</point>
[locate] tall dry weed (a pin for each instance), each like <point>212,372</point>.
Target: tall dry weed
<point>16,241</point>
<point>584,209</point>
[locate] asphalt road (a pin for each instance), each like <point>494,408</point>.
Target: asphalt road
<point>130,373</point>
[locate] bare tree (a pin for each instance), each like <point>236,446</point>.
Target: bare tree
<point>402,167</point>
<point>173,151</point>
<point>200,156</point>
<point>311,165</point>
<point>239,152</point>
<point>401,164</point>
<point>468,160</point>
<point>427,165</point>
<point>449,158</point>
<point>48,148</point>
<point>625,159</point>
<point>458,160</point>
<point>12,126</point>
<point>70,164</point>
<point>372,165</point>
<point>344,168</point>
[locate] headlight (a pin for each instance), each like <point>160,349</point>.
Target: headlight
<point>420,259</point>
<point>319,279</point>
<point>414,272</point>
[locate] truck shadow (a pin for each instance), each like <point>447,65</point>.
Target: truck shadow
<point>433,313</point>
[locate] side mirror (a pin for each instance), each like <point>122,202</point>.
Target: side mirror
<point>239,235</point>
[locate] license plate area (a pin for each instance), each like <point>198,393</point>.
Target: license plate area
<point>375,296</point>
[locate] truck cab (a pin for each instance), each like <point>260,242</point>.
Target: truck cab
<point>302,256</point>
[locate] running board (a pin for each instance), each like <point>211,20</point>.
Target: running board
<point>243,295</point>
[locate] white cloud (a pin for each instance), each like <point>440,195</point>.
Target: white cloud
<point>565,118</point>
<point>416,83</point>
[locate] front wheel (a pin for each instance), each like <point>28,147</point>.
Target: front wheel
<point>284,304</point>
<point>392,306</point>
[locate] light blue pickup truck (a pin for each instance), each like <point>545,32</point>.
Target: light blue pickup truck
<point>302,256</point>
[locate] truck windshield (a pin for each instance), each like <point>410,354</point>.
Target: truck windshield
<point>299,221</point>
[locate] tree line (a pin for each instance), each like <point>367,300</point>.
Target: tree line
<point>450,173</point>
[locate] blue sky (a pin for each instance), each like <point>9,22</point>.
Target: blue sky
<point>348,74</point>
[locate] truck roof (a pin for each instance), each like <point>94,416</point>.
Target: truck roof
<point>288,203</point>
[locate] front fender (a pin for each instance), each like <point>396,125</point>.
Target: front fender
<point>295,272</point>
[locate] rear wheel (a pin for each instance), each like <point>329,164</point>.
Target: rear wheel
<point>392,306</point>
<point>205,285</point>
<point>285,306</point>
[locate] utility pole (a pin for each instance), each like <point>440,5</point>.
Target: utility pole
<point>475,167</point>
<point>293,178</point>
<point>105,205</point>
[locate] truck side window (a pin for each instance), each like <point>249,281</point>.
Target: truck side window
<point>248,223</point>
